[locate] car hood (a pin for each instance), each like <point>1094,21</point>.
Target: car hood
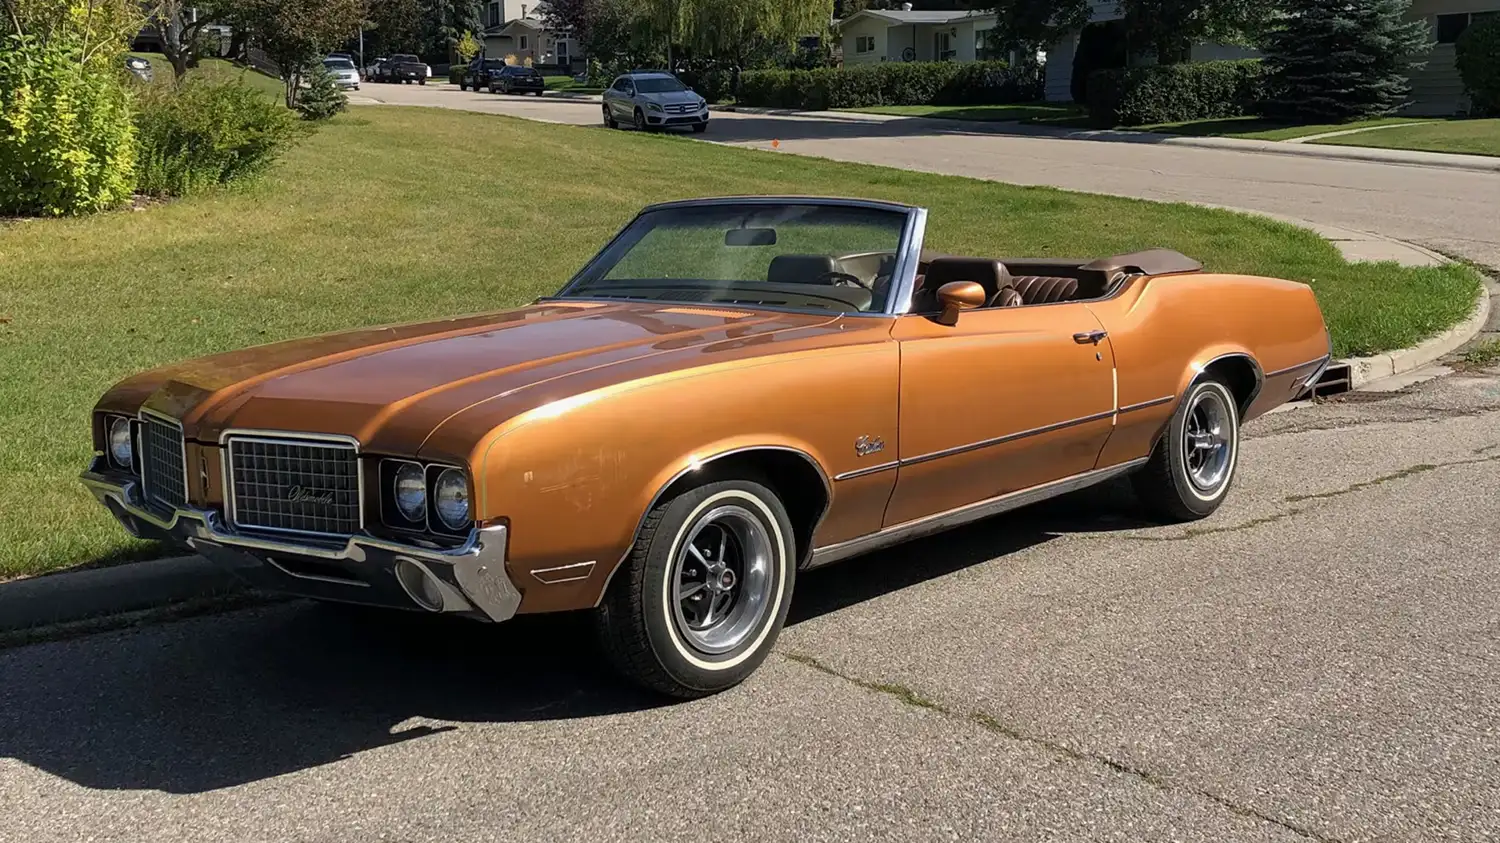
<point>391,387</point>
<point>672,97</point>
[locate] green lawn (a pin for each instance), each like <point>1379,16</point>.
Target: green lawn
<point>387,214</point>
<point>1026,112</point>
<point>161,71</point>
<point>1470,137</point>
<point>566,84</point>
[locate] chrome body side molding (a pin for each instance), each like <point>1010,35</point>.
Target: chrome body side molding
<point>941,521</point>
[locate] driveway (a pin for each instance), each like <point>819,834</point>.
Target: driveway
<point>1452,211</point>
<point>1318,661</point>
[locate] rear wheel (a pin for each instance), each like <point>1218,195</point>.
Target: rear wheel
<point>1190,470</point>
<point>702,597</point>
<point>609,119</point>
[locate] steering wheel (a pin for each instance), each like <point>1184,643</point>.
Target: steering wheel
<point>834,278</point>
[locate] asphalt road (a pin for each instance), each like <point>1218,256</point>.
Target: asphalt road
<point>1318,661</point>
<point>1452,211</point>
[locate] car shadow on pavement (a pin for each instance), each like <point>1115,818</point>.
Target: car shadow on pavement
<point>220,701</point>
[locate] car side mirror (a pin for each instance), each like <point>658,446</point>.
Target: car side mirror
<point>956,296</point>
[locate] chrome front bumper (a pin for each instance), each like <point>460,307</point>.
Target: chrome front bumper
<point>471,578</point>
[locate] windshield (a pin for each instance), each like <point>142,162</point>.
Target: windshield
<point>801,256</point>
<point>338,64</point>
<point>658,85</point>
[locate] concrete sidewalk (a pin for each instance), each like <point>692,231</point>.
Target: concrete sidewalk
<point>1411,158</point>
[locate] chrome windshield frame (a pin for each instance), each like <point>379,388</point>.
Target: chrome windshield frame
<point>903,279</point>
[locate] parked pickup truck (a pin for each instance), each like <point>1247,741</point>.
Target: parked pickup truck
<point>479,72</point>
<point>403,68</point>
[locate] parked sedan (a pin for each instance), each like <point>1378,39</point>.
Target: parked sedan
<point>139,67</point>
<point>478,73</point>
<point>731,392</point>
<point>653,100</point>
<point>514,79</point>
<point>345,74</point>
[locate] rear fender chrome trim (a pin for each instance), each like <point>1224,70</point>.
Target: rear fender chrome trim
<point>1142,405</point>
<point>941,521</point>
<point>564,573</point>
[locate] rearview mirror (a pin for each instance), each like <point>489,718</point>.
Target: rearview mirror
<point>956,296</point>
<point>750,237</point>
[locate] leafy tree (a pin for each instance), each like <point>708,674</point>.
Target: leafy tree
<point>293,33</point>
<point>396,26</point>
<point>1031,25</point>
<point>446,21</point>
<point>468,47</point>
<point>1343,60</point>
<point>1169,28</point>
<point>1478,59</point>
<point>739,29</point>
<point>182,38</point>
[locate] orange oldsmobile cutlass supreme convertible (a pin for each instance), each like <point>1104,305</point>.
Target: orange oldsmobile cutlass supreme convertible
<point>732,391</point>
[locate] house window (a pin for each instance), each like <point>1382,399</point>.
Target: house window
<point>524,43</point>
<point>864,44</point>
<point>1449,27</point>
<point>492,15</point>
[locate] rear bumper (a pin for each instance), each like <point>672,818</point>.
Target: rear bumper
<point>467,580</point>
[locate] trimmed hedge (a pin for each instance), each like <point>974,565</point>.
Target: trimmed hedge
<point>1138,96</point>
<point>890,83</point>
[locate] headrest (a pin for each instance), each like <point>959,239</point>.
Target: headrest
<point>986,272</point>
<point>798,269</point>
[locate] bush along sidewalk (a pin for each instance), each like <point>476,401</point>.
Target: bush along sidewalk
<point>891,83</point>
<point>1173,93</point>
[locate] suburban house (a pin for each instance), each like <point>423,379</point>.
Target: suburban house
<point>875,35</point>
<point>516,28</point>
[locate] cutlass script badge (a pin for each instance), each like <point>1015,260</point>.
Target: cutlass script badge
<point>867,445</point>
<point>297,494</point>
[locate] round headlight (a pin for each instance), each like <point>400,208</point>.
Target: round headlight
<point>411,491</point>
<point>120,449</point>
<point>450,497</point>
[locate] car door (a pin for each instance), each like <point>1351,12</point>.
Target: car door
<point>1005,399</point>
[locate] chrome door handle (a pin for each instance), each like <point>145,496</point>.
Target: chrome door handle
<point>1089,337</point>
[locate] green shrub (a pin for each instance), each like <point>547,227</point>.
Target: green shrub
<point>67,144</point>
<point>1478,58</point>
<point>715,84</point>
<point>204,133</point>
<point>890,83</point>
<point>323,97</point>
<point>1172,93</point>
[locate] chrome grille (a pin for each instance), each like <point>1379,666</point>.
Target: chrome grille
<point>294,485</point>
<point>681,108</point>
<point>162,466</point>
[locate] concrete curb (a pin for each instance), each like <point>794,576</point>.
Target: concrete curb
<point>1366,370</point>
<point>81,595</point>
<point>1375,155</point>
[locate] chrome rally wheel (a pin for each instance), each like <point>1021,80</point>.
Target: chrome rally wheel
<point>700,600</point>
<point>1192,465</point>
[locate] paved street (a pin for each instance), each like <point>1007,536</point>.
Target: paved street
<point>1319,661</point>
<point>1452,211</point>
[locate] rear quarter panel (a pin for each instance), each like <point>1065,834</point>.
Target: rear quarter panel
<point>1165,329</point>
<point>574,477</point>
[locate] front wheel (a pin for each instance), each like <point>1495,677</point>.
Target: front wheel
<point>700,601</point>
<point>609,119</point>
<point>1191,468</point>
<point>700,128</point>
<point>640,119</point>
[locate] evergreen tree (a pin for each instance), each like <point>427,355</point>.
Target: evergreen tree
<point>323,98</point>
<point>1337,60</point>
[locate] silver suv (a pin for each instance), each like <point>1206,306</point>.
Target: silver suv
<point>653,99</point>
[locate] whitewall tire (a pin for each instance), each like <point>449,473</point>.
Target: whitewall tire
<point>700,601</point>
<point>1193,464</point>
